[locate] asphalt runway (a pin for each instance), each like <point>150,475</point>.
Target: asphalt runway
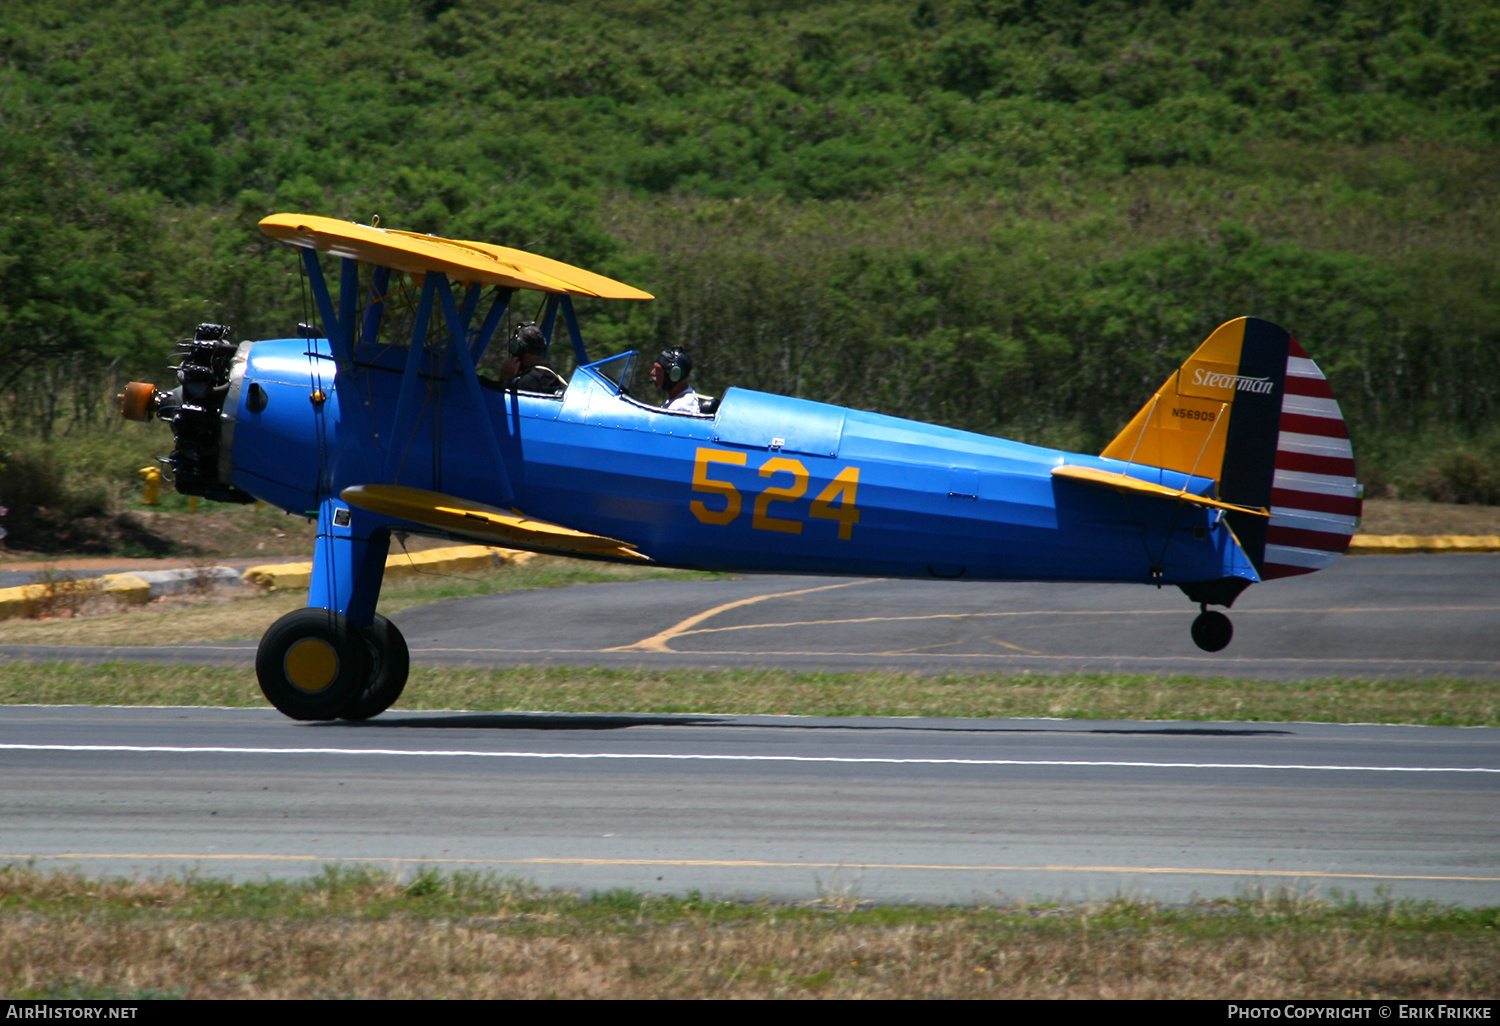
<point>1366,617</point>
<point>945,811</point>
<point>802,809</point>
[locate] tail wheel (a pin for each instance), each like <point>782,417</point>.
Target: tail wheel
<point>313,664</point>
<point>392,663</point>
<point>1212,630</point>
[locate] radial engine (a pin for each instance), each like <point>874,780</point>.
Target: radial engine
<point>206,366</point>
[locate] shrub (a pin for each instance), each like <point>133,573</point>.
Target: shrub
<point>1463,476</point>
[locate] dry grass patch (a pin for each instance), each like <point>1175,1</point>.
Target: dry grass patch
<point>368,935</point>
<point>1399,516</point>
<point>171,620</point>
<point>217,615</point>
<point>1097,696</point>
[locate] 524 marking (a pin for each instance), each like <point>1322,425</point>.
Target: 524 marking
<point>843,490</point>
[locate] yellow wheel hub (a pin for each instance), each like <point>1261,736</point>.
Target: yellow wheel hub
<point>311,664</point>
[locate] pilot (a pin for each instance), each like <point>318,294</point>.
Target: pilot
<point>670,374</point>
<point>527,369</point>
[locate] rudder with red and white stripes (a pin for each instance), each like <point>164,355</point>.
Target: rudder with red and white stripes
<point>1252,411</point>
<point>1315,500</point>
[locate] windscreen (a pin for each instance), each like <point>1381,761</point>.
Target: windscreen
<point>617,369</point>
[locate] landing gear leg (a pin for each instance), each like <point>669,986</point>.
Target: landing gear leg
<point>391,662</point>
<point>337,658</point>
<point>1212,629</point>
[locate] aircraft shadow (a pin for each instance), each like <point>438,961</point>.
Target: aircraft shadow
<point>1191,731</point>
<point>944,729</point>
<point>526,721</point>
<point>620,721</point>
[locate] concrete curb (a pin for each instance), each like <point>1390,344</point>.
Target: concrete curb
<point>1404,544</point>
<point>454,559</point>
<point>34,599</point>
<point>126,589</point>
<point>140,587</point>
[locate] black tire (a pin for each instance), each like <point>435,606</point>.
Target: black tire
<point>312,664</point>
<point>392,662</point>
<point>1212,630</point>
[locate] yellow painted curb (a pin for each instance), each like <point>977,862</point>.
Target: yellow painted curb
<point>453,559</point>
<point>449,560</point>
<point>33,599</point>
<point>127,589</point>
<point>22,601</point>
<point>1400,544</point>
<point>279,576</point>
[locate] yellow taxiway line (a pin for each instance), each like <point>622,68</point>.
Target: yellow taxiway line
<point>658,641</point>
<point>762,864</point>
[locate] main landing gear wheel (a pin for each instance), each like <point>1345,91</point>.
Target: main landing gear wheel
<point>392,663</point>
<point>313,664</point>
<point>1212,630</point>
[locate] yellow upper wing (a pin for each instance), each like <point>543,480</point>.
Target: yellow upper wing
<point>460,261</point>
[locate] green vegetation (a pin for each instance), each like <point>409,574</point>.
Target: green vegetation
<point>64,494</point>
<point>1005,215</point>
<point>564,689</point>
<point>363,933</point>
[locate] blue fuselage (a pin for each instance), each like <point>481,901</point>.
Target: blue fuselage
<point>767,484</point>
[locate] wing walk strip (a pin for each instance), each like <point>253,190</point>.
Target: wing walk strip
<point>854,760</point>
<point>753,864</point>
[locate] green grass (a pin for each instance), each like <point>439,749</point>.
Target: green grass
<point>358,932</point>
<point>781,692</point>
<point>367,893</point>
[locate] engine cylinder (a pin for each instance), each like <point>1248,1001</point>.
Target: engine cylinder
<point>195,410</point>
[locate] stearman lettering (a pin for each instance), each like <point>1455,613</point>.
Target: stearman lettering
<point>1238,382</point>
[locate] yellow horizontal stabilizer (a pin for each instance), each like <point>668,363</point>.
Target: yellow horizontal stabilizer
<point>469,519</point>
<point>1126,483</point>
<point>460,261</point>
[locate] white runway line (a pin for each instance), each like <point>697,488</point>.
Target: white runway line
<point>439,753</point>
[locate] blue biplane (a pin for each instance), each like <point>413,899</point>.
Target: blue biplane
<point>1237,470</point>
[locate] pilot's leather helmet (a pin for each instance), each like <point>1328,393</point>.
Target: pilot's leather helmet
<point>677,363</point>
<point>527,338</point>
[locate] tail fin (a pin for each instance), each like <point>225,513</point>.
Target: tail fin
<point>1250,410</point>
